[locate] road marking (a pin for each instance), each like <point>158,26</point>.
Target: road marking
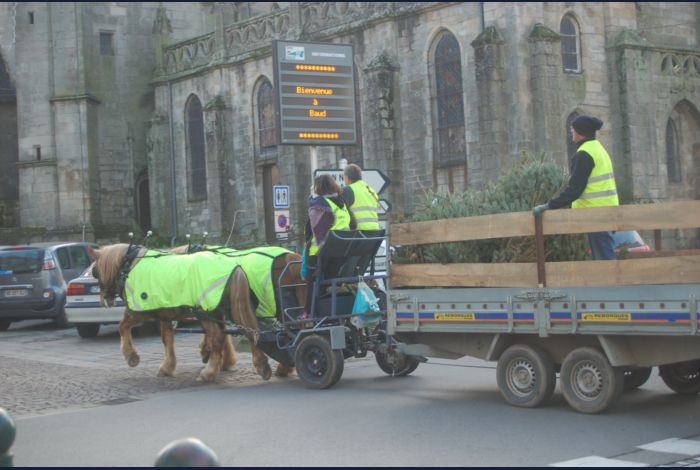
<point>595,461</point>
<point>674,446</point>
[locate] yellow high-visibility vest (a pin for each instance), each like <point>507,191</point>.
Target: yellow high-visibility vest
<point>365,206</point>
<point>600,190</point>
<point>341,221</point>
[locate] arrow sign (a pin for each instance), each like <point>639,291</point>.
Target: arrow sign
<point>384,207</point>
<point>374,178</point>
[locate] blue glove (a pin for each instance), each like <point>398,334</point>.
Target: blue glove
<point>540,209</point>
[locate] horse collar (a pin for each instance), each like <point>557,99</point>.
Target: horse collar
<point>125,267</point>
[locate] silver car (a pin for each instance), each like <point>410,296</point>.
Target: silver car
<point>83,308</point>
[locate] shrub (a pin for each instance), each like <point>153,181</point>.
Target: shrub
<point>530,181</point>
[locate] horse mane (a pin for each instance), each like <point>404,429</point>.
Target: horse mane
<point>110,261</point>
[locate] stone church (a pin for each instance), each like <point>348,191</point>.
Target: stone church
<point>119,116</point>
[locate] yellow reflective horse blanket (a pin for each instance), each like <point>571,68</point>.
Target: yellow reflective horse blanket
<point>167,280</point>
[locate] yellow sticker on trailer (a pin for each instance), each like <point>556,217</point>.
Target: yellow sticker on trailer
<point>611,317</point>
<point>454,316</point>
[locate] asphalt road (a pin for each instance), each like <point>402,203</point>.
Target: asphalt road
<point>447,413</point>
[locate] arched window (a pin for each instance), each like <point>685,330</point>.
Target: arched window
<point>571,146</point>
<point>570,44</point>
<point>194,128</point>
<point>267,124</point>
<point>673,161</point>
<point>450,151</point>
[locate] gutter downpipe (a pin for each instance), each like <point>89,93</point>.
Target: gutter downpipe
<point>173,195</point>
<point>481,16</point>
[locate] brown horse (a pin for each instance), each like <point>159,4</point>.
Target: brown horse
<point>216,344</point>
<point>238,293</point>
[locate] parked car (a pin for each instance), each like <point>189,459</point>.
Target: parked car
<point>33,280</point>
<point>83,308</point>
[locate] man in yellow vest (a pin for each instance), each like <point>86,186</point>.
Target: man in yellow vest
<point>592,183</point>
<point>362,200</point>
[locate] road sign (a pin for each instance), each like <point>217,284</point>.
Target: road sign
<point>315,90</point>
<point>384,207</point>
<point>374,178</point>
<point>282,221</point>
<point>281,197</point>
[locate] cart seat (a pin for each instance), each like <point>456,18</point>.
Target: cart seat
<point>348,253</point>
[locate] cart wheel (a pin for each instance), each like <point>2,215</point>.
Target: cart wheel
<point>636,377</point>
<point>683,377</point>
<point>590,384</point>
<point>525,376</point>
<point>395,363</point>
<point>317,364</point>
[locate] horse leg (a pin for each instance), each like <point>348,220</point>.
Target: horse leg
<point>215,343</point>
<point>204,349</point>
<point>243,315</point>
<point>230,356</point>
<point>283,371</point>
<point>260,362</point>
<point>126,345</point>
<point>167,368</point>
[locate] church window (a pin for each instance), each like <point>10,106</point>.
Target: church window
<point>673,160</point>
<point>570,44</point>
<point>267,122</point>
<point>106,43</point>
<point>197,171</point>
<point>449,105</point>
<point>353,153</point>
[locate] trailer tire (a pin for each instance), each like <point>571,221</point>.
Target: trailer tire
<point>395,363</point>
<point>589,383</point>
<point>635,377</point>
<point>525,376</point>
<point>683,377</point>
<point>318,365</point>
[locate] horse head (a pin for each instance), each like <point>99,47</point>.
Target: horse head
<point>109,264</point>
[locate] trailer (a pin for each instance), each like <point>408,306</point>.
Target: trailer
<point>601,325</point>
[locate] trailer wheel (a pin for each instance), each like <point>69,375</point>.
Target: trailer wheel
<point>525,376</point>
<point>590,384</point>
<point>683,377</point>
<point>395,363</point>
<point>317,364</point>
<point>635,377</point>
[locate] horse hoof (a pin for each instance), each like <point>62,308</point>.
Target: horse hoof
<point>266,373</point>
<point>133,360</point>
<point>165,373</point>
<point>205,378</point>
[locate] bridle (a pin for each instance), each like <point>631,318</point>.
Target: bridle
<point>117,287</point>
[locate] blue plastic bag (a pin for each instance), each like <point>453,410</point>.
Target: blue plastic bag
<point>366,309</point>
<point>303,264</point>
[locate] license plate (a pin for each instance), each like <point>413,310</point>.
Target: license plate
<point>95,289</point>
<point>16,293</point>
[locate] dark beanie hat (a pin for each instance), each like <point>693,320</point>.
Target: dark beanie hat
<point>586,125</point>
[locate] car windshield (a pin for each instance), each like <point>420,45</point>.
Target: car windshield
<point>21,261</point>
<point>630,238</point>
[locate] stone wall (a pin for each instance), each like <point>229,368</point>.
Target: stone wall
<point>101,121</point>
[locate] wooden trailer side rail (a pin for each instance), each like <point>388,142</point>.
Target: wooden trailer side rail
<point>667,270</point>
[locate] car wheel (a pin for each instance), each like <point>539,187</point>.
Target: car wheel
<point>5,325</point>
<point>89,330</point>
